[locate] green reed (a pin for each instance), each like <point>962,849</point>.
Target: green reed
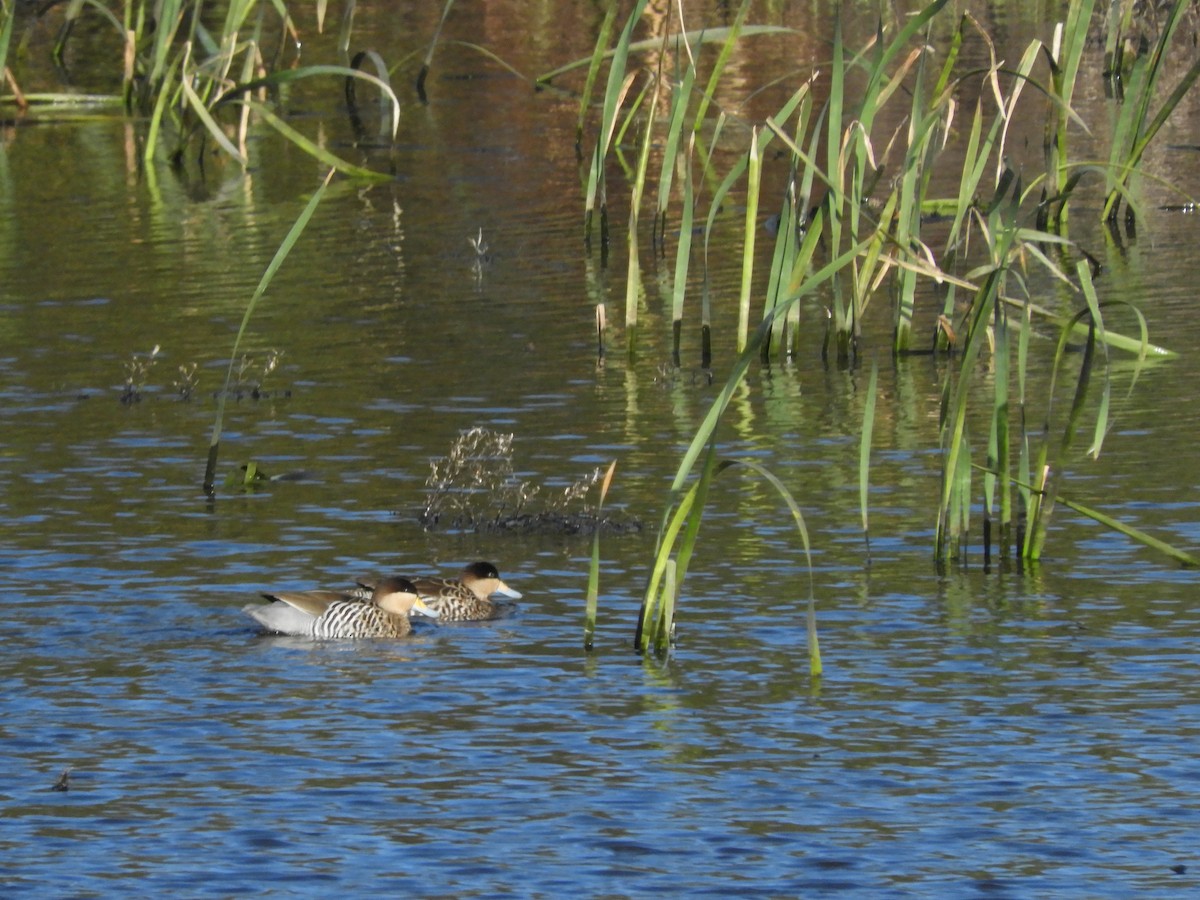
<point>864,454</point>
<point>1064,57</point>
<point>618,85</point>
<point>198,76</point>
<point>6,27</point>
<point>593,589</point>
<point>277,260</point>
<point>1135,127</point>
<point>866,239</point>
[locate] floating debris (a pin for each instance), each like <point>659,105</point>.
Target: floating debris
<point>64,781</point>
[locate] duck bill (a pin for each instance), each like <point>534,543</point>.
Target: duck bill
<point>421,608</point>
<point>504,589</point>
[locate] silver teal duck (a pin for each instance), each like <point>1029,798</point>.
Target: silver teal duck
<point>332,615</point>
<point>467,598</point>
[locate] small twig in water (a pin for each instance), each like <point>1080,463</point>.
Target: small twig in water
<point>64,781</point>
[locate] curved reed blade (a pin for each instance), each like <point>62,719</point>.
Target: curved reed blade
<point>281,254</point>
<point>210,124</point>
<point>1180,556</point>
<point>241,92</point>
<point>385,108</point>
<point>317,152</point>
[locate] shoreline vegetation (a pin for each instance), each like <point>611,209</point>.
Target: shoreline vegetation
<point>858,227</point>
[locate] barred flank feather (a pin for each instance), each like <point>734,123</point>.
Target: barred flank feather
<point>358,619</point>
<point>456,603</point>
<point>329,615</point>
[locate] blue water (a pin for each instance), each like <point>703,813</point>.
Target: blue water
<point>1000,733</point>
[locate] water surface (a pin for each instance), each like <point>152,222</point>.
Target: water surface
<point>1005,732</point>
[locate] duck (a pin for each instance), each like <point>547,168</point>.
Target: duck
<point>333,615</point>
<point>466,598</point>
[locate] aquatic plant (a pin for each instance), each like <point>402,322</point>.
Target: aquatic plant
<point>684,511</point>
<point>277,260</point>
<point>251,376</point>
<point>137,372</point>
<point>593,588</point>
<point>474,487</point>
<point>193,82</point>
<point>1135,127</point>
<point>865,238</point>
<point>185,384</point>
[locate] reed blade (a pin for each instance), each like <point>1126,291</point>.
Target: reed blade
<point>593,588</point>
<point>281,254</point>
<point>864,452</point>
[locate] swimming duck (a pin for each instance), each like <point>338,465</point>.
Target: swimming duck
<point>332,615</point>
<point>466,598</point>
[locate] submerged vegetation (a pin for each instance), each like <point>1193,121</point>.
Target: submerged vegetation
<point>899,204</point>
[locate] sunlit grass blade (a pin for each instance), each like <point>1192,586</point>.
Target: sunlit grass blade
<point>683,251</point>
<point>714,78</point>
<point>680,97</point>
<point>210,124</point>
<point>594,62</point>
<point>753,180</point>
<point>593,589</point>
<point>1070,41</point>
<point>316,151</point>
<point>675,517</point>
<point>664,628</point>
<point>864,453</point>
<point>1136,534</point>
<point>1084,273</point>
<point>614,94</point>
<point>998,437</point>
<point>633,283</point>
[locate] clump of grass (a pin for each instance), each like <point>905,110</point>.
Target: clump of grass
<point>684,512</point>
<point>866,237</point>
<point>185,383</point>
<point>1135,126</point>
<point>137,373</point>
<point>196,77</point>
<point>475,487</point>
<point>251,375</point>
